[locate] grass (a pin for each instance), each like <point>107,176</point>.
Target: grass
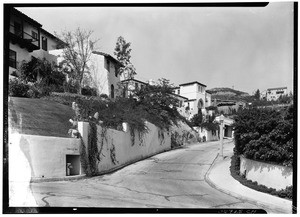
<point>39,117</point>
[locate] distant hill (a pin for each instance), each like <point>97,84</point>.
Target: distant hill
<point>225,93</point>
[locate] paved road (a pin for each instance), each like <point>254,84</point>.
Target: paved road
<point>173,179</point>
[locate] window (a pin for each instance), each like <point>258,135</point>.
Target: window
<point>112,91</point>
<point>44,43</point>
<point>178,91</point>
<point>107,65</point>
<point>18,29</point>
<point>136,86</point>
<point>116,71</point>
<point>12,59</point>
<point>34,35</point>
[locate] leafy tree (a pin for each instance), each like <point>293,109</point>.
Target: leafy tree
<point>159,103</point>
<point>197,119</point>
<point>122,52</point>
<point>77,53</point>
<point>257,94</point>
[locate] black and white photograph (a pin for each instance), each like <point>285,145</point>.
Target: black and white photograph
<point>150,107</point>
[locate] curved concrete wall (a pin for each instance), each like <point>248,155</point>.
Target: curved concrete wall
<point>270,175</point>
<point>118,149</point>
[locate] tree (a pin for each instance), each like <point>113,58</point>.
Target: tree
<point>122,52</point>
<point>197,119</point>
<point>159,103</point>
<point>77,53</point>
<point>257,94</point>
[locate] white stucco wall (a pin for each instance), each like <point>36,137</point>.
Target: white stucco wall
<point>270,175</point>
<point>103,79</point>
<point>207,133</point>
<point>39,156</point>
<point>125,151</point>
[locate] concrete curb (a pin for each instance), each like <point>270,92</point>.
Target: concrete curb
<point>237,196</point>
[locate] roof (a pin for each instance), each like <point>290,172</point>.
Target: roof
<point>61,44</point>
<point>194,82</point>
<point>24,16</point>
<point>107,56</point>
<point>208,91</point>
<point>276,88</point>
<point>174,94</point>
<point>189,100</point>
<point>132,79</point>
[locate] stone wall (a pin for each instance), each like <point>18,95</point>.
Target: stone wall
<point>270,175</point>
<point>119,148</point>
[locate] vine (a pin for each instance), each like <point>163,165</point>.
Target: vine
<point>161,136</point>
<point>93,153</point>
<point>113,154</point>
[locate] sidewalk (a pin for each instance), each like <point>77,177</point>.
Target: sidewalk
<point>220,178</point>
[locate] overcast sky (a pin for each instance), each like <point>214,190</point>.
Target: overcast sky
<point>248,48</point>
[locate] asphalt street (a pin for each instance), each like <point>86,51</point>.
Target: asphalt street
<point>173,179</point>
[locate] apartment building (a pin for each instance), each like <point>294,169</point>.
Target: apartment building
<point>27,39</point>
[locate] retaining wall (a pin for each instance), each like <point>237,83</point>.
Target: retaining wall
<point>39,157</point>
<point>270,175</point>
<point>118,147</point>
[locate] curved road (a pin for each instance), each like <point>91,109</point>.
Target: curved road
<point>173,179</point>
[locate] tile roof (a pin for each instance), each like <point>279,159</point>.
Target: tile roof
<point>107,56</point>
<point>194,82</point>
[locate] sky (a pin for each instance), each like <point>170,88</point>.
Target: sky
<point>241,48</point>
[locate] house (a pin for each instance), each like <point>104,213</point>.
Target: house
<point>229,106</point>
<point>104,72</point>
<point>275,93</point>
<point>198,97</point>
<point>131,84</point>
<point>27,39</point>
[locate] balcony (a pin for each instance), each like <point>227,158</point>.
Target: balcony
<point>24,39</point>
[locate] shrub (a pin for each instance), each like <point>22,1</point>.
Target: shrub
<point>18,88</point>
<point>88,91</point>
<point>265,134</point>
<point>71,86</point>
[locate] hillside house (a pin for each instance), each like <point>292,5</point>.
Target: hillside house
<point>275,93</point>
<point>27,39</point>
<point>104,72</point>
<point>198,97</point>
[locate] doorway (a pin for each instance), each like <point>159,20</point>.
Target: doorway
<point>72,165</point>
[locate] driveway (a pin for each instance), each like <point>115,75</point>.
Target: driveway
<point>173,179</point>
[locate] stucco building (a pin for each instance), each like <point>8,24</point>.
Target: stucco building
<point>27,39</point>
<point>104,71</point>
<point>197,97</point>
<point>275,93</point>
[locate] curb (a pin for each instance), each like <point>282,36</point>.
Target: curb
<point>237,196</point>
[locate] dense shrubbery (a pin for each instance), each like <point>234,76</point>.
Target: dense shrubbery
<point>88,91</point>
<point>18,88</point>
<point>37,78</point>
<point>150,103</point>
<point>265,134</point>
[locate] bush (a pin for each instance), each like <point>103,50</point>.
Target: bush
<point>265,134</point>
<point>18,88</point>
<point>88,91</point>
<point>71,86</point>
<point>64,98</point>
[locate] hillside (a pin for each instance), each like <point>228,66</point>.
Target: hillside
<point>225,93</point>
<point>39,117</point>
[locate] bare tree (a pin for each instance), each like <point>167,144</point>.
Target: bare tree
<point>78,52</point>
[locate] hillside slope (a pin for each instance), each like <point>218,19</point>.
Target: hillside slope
<point>225,93</point>
<point>39,117</point>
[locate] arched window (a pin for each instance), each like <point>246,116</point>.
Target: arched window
<point>200,104</point>
<point>112,91</point>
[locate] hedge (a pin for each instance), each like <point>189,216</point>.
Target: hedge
<point>265,134</point>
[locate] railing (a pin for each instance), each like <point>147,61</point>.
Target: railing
<point>24,35</point>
